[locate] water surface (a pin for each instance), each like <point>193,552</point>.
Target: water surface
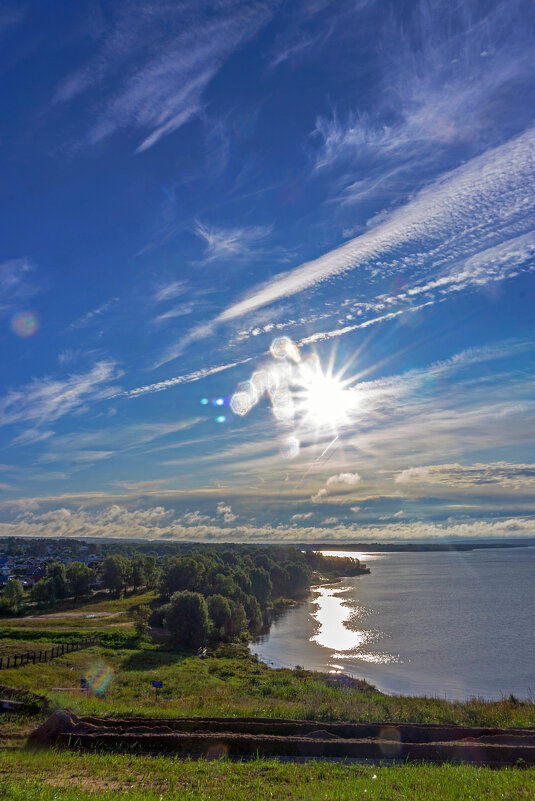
<point>451,624</point>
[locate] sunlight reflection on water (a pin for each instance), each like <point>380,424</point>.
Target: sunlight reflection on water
<point>333,616</point>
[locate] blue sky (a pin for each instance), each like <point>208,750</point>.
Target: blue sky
<point>185,182</point>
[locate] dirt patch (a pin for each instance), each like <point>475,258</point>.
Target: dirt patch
<point>56,615</point>
<point>248,737</point>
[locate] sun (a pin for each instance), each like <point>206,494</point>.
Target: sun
<point>323,399</point>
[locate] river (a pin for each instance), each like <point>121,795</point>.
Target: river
<point>448,624</point>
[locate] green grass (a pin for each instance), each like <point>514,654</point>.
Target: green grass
<point>232,682</point>
<point>74,613</point>
<point>67,776</point>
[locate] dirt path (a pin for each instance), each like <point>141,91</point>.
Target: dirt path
<point>56,615</point>
<point>291,739</point>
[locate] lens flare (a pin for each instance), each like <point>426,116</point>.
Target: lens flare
<point>25,324</point>
<point>302,394</point>
<point>99,677</point>
<point>290,447</point>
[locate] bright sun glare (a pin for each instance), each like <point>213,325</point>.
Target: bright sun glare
<point>324,398</point>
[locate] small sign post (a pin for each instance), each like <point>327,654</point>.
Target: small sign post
<point>84,685</point>
<point>157,686</point>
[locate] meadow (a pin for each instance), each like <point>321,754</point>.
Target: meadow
<point>225,680</point>
<point>66,776</point>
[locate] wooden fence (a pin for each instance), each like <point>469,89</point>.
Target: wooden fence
<point>32,657</point>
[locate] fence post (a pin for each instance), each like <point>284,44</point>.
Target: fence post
<point>8,660</point>
<point>1,662</point>
<point>46,652</point>
<point>34,657</point>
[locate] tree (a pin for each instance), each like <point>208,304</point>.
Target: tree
<point>299,576</point>
<point>44,592</point>
<point>220,613</point>
<point>56,571</point>
<point>280,581</point>
<point>182,573</point>
<point>238,620</point>
<point>138,572</point>
<point>254,614</point>
<point>78,579</point>
<point>260,584</point>
<point>141,617</point>
<point>115,573</point>
<point>150,570</point>
<point>13,595</point>
<point>187,619</point>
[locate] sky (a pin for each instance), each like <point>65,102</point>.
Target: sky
<point>266,270</point>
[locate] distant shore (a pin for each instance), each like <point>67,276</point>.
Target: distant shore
<point>412,547</point>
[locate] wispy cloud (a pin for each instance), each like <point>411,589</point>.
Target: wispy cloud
<point>15,284</point>
<point>187,378</point>
<point>182,310</point>
<point>93,315</point>
<point>45,400</point>
<point>443,84</point>
<point>230,243</point>
<point>493,191</point>
<point>157,61</point>
<point>502,474</point>
<point>171,290</point>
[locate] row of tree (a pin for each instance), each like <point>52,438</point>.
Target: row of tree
<point>213,595</point>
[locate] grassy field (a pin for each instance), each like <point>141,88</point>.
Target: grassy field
<point>90,614</point>
<point>65,776</point>
<point>233,682</point>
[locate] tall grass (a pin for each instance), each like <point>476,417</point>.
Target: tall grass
<point>233,682</point>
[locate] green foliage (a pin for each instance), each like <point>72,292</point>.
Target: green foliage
<point>138,572</point>
<point>13,596</point>
<point>220,613</point>
<point>78,578</point>
<point>44,592</point>
<point>150,568</point>
<point>260,584</point>
<point>141,617</point>
<point>182,573</point>
<point>56,572</point>
<point>116,573</point>
<point>187,619</point>
<point>254,614</point>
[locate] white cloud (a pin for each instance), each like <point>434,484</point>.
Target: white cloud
<point>302,516</point>
<point>182,310</point>
<point>441,86</point>
<point>320,494</point>
<point>155,63</point>
<point>45,400</point>
<point>349,479</point>
<point>117,521</point>
<point>188,378</point>
<point>95,314</point>
<point>15,287</point>
<point>493,190</point>
<point>226,512</point>
<point>502,474</point>
<point>230,243</point>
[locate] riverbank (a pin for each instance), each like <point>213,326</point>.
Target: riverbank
<point>454,625</point>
